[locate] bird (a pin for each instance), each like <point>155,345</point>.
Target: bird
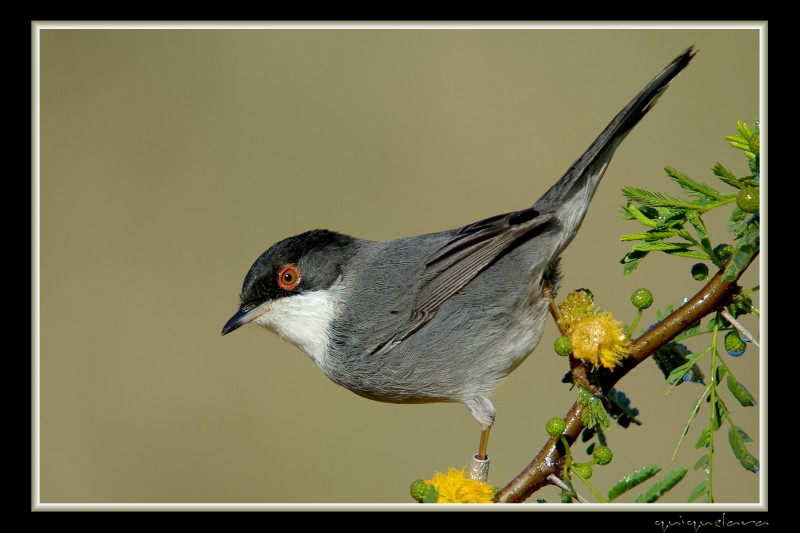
<point>438,317</point>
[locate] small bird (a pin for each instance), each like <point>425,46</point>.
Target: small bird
<point>440,317</point>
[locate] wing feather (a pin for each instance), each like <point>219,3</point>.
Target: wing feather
<point>467,254</point>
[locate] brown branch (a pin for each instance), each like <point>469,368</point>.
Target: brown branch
<point>716,294</point>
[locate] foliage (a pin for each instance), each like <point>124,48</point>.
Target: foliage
<point>673,224</point>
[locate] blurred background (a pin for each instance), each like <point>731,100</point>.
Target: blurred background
<point>172,158</point>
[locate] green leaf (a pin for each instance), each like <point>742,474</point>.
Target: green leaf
<point>704,439</point>
<point>696,188</point>
<point>738,142</point>
<point>700,490</point>
<point>740,392</point>
<point>649,236</point>
<point>720,373</point>
<point>745,249</point>
<point>671,356</point>
<point>658,199</point>
<point>693,330</point>
<point>727,176</point>
<point>594,413</point>
<point>717,415</point>
<point>677,373</point>
<point>750,225</point>
<point>741,141</point>
<point>670,218</point>
<point>737,439</point>
<point>648,246</point>
<point>636,213</point>
<point>692,415</point>
<point>754,163</point>
<point>701,463</point>
<point>694,254</point>
<point>431,495</point>
<point>701,230</point>
<point>631,480</point>
<point>748,141</point>
<point>744,130</point>
<point>632,259</point>
<point>661,487</point>
<point>738,222</point>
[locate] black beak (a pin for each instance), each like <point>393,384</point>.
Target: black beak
<point>240,318</point>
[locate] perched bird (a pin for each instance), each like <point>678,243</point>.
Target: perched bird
<point>441,317</point>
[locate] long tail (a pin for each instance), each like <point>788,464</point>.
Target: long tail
<point>570,196</point>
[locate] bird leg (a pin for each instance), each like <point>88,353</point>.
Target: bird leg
<point>484,443</point>
<point>479,465</point>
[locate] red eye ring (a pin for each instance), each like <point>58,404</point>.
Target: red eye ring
<point>289,277</point>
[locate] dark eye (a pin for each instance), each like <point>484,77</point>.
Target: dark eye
<point>289,277</point>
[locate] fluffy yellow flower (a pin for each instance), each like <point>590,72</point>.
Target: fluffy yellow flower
<point>599,340</point>
<point>594,335</point>
<point>455,487</point>
<point>575,307</point>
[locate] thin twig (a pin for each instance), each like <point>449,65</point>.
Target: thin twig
<point>558,482</point>
<point>739,327</point>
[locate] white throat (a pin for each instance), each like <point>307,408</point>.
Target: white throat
<point>305,320</point>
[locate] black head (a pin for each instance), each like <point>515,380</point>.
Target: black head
<point>307,262</point>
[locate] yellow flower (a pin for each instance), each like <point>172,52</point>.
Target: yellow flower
<point>599,340</point>
<point>455,487</point>
<point>575,307</point>
<point>594,335</point>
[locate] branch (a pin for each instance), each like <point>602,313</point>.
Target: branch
<point>715,295</point>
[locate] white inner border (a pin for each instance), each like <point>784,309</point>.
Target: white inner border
<point>37,26</point>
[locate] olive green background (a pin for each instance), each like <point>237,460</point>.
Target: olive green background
<point>170,159</point>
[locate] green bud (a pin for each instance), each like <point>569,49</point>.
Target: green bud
<point>563,346</point>
<point>700,271</point>
<point>642,298</point>
<point>734,344</point>
<point>748,200</point>
<point>584,470</point>
<point>723,251</point>
<point>418,489</point>
<point>555,427</point>
<point>603,455</point>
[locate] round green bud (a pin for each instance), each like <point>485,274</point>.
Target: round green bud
<point>700,271</point>
<point>555,427</point>
<point>418,489</point>
<point>563,346</point>
<point>734,344</point>
<point>603,455</point>
<point>748,200</point>
<point>642,298</point>
<point>723,251</point>
<point>584,470</point>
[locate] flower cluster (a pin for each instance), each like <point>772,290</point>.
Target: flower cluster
<point>455,487</point>
<point>594,335</point>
